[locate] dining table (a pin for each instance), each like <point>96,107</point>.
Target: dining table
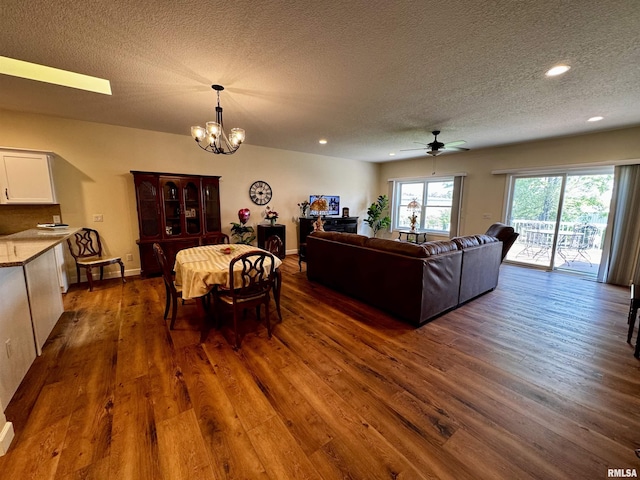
<point>542,242</point>
<point>200,269</point>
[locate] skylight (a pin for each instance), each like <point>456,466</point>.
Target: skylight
<point>41,73</point>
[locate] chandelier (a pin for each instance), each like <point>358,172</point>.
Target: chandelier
<point>212,137</point>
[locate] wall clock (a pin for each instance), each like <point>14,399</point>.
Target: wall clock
<point>260,192</point>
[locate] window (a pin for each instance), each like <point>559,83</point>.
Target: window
<point>431,200</point>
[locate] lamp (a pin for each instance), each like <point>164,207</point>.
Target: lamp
<point>434,152</point>
<point>413,207</point>
<point>212,138</point>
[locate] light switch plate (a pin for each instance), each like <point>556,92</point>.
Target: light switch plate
<point>56,219</point>
<point>97,217</point>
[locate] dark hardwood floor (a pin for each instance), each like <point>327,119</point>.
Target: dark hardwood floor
<point>533,380</point>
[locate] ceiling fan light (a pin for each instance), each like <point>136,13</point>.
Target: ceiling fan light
<point>434,153</point>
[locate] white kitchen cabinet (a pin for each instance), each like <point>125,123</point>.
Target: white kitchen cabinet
<point>45,298</point>
<point>17,348</point>
<point>25,177</point>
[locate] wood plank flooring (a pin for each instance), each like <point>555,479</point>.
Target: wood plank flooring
<point>531,381</point>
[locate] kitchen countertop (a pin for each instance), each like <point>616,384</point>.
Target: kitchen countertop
<point>20,248</point>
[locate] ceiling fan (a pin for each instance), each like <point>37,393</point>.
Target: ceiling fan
<point>435,148</point>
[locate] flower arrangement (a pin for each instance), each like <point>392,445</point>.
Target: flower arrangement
<point>304,206</point>
<point>271,215</point>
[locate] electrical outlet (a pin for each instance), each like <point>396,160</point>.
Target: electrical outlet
<point>56,219</point>
<point>129,257</point>
<point>9,349</point>
<point>486,216</point>
<point>97,217</point>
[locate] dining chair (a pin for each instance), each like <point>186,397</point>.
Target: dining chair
<point>215,238</point>
<point>585,240</point>
<point>88,254</point>
<point>274,245</point>
<point>249,286</point>
<point>173,291</point>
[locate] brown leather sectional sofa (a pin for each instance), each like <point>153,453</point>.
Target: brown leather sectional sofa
<point>412,282</point>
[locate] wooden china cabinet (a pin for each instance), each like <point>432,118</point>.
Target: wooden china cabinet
<point>177,211</point>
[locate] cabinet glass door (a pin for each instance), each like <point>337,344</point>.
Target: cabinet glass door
<point>172,207</point>
<point>211,195</point>
<point>192,210</point>
<point>148,208</point>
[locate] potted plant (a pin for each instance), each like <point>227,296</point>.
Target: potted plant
<point>242,233</point>
<point>377,215</point>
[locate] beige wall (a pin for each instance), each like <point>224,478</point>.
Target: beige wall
<point>92,164</point>
<point>484,192</point>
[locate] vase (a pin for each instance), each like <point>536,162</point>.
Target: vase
<point>273,221</point>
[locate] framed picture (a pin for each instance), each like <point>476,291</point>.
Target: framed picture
<point>345,211</point>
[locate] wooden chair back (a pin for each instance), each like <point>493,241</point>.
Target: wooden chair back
<point>273,245</point>
<point>87,244</point>
<point>215,238</point>
<point>167,273</point>
<point>256,275</point>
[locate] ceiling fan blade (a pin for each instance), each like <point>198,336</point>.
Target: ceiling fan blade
<point>412,149</point>
<point>454,144</point>
<point>456,149</point>
<point>420,143</point>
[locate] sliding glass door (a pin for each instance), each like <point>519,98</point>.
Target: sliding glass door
<point>561,219</point>
<point>534,208</point>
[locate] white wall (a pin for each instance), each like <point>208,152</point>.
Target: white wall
<point>484,192</point>
<point>92,164</point>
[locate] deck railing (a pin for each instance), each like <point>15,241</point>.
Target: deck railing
<point>522,225</point>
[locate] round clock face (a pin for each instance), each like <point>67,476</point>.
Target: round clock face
<point>260,192</point>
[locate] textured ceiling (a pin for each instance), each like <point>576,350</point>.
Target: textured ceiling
<point>371,76</point>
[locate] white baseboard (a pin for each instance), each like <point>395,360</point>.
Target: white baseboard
<point>6,437</point>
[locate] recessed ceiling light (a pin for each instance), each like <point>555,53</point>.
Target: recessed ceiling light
<point>595,119</point>
<point>557,70</point>
<point>322,141</point>
<point>41,73</point>
<point>392,154</point>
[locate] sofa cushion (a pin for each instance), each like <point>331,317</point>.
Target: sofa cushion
<point>473,240</point>
<point>348,238</point>
<point>392,246</point>
<point>466,241</point>
<point>484,239</point>
<point>438,247</point>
